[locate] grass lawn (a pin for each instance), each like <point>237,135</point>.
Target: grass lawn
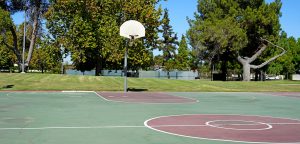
<point>29,81</point>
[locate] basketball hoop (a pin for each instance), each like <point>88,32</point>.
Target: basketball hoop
<point>132,30</point>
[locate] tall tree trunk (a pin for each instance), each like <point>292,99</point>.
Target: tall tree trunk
<point>212,73</point>
<point>246,72</point>
<point>225,57</point>
<point>262,75</point>
<point>98,67</point>
<point>257,75</point>
<point>224,70</point>
<point>36,12</point>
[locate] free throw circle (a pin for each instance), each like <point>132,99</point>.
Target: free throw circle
<point>235,128</point>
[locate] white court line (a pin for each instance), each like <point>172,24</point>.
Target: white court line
<point>258,124</point>
<point>124,126</point>
<point>222,140</point>
<point>96,127</point>
<point>128,102</point>
<point>87,127</point>
<point>161,126</point>
<point>88,92</point>
<point>102,97</point>
<point>239,124</point>
<point>253,122</point>
<point>195,100</point>
<point>77,91</point>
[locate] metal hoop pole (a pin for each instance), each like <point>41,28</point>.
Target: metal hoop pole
<point>125,70</point>
<point>24,38</point>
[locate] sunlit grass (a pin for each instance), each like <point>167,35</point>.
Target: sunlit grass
<point>72,82</point>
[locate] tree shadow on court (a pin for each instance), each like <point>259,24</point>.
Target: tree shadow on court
<point>136,90</point>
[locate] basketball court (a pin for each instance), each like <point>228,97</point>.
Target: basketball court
<point>148,117</point>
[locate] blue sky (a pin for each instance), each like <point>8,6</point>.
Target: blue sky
<point>180,9</point>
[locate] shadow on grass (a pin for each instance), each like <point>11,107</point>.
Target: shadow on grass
<point>136,90</point>
<point>8,86</point>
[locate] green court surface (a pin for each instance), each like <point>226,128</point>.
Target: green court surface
<point>86,118</point>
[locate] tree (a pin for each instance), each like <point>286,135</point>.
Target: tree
<point>144,11</point>
<point>296,59</point>
<point>7,58</point>
<point>48,56</point>
<point>288,63</point>
<point>158,61</point>
<point>90,31</point>
<point>168,43</point>
<point>261,22</point>
<point>35,10</point>
<point>5,53</point>
<point>86,29</point>
<point>182,58</point>
<point>236,29</point>
<point>216,37</point>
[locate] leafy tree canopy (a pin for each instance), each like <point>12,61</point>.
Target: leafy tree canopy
<point>90,31</point>
<point>233,28</point>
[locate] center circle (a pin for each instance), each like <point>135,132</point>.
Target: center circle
<point>232,128</point>
<point>238,125</point>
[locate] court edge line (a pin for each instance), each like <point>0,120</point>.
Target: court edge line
<point>74,91</point>
<point>145,102</point>
<point>94,127</point>
<point>123,126</point>
<point>146,124</point>
<point>84,127</point>
<point>195,100</point>
<point>231,115</point>
<point>88,92</point>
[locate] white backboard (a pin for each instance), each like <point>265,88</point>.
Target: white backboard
<point>132,29</point>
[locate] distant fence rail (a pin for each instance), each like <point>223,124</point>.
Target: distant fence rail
<point>185,75</point>
<point>188,75</point>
